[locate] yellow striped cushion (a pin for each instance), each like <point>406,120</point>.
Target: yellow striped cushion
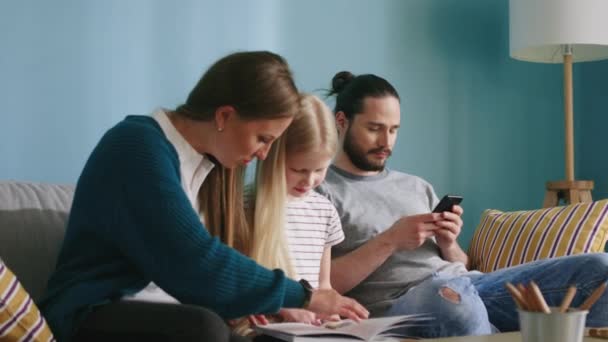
<point>20,319</point>
<point>505,239</point>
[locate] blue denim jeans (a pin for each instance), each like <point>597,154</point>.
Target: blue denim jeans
<point>475,303</point>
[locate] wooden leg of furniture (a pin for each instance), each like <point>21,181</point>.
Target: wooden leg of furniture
<point>586,196</point>
<point>573,196</point>
<point>570,191</point>
<point>551,199</point>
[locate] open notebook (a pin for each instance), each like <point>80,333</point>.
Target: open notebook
<point>373,329</point>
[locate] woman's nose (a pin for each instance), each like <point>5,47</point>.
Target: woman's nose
<point>262,153</point>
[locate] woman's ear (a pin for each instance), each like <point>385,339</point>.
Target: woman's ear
<point>341,122</point>
<point>222,115</point>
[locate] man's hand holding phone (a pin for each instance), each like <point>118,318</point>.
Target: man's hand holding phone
<point>450,222</point>
<point>410,232</point>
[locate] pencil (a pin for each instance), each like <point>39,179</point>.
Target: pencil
<point>526,295</point>
<point>517,296</point>
<point>595,295</point>
<point>538,297</point>
<point>567,299</point>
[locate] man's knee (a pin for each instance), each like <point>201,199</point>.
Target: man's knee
<point>458,305</point>
<point>462,311</point>
<point>450,295</point>
<point>453,305</point>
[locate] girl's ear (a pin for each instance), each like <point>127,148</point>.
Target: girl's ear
<point>341,122</point>
<point>222,115</point>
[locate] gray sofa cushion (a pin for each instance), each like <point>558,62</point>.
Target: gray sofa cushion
<point>33,217</point>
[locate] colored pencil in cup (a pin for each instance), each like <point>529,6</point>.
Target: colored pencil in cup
<point>595,295</point>
<point>538,298</point>
<point>520,301</point>
<point>525,294</point>
<point>567,299</point>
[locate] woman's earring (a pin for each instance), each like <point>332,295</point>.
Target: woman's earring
<point>219,129</point>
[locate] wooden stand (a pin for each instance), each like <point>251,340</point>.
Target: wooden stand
<point>570,191</point>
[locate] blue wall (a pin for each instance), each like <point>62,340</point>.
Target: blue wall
<point>592,125</point>
<point>475,122</point>
<point>71,69</point>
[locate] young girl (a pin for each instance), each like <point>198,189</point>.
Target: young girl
<point>293,227</point>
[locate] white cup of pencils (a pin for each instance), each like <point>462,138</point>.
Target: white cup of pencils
<point>541,323</point>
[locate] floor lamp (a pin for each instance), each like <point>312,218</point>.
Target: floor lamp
<point>561,31</point>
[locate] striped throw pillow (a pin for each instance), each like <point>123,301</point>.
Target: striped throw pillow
<point>20,319</point>
<point>505,239</point>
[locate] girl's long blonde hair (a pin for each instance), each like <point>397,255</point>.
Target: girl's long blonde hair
<point>312,130</point>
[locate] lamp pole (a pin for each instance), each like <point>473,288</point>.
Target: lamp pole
<point>570,190</point>
<point>569,112</point>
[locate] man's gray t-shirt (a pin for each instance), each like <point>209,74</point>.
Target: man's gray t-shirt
<point>369,205</point>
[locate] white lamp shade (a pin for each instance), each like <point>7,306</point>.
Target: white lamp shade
<point>539,29</point>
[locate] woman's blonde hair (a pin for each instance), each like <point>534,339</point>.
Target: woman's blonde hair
<point>312,130</point>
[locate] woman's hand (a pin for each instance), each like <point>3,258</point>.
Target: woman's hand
<point>257,320</point>
<point>299,315</point>
<point>327,302</point>
<point>332,318</point>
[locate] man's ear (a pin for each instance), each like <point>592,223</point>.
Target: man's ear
<point>222,115</point>
<point>341,121</point>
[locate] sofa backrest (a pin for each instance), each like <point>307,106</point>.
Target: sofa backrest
<point>33,217</point>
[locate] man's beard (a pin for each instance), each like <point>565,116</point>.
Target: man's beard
<point>359,157</point>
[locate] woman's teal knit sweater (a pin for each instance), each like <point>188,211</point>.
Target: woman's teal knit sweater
<point>131,223</point>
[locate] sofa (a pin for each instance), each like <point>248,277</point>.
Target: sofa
<point>33,218</point>
<point>32,224</point>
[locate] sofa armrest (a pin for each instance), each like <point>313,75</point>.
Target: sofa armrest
<point>33,217</point>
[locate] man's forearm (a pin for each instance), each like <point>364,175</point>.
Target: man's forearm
<point>349,270</point>
<point>454,253</point>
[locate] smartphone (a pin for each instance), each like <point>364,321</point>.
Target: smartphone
<point>447,202</point>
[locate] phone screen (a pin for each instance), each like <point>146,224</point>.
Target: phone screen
<point>447,202</point>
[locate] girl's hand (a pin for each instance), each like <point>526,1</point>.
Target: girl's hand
<point>299,315</point>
